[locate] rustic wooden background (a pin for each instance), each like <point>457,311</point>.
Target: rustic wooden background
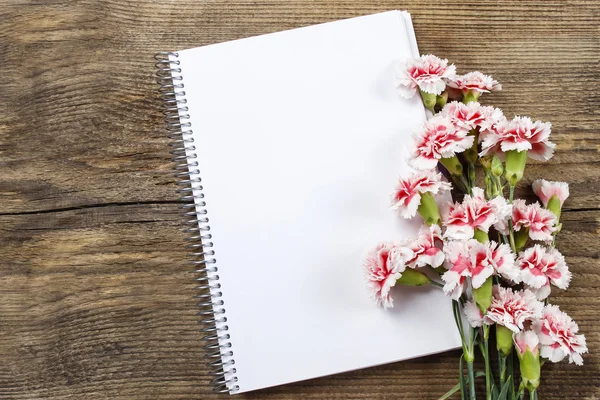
<point>95,293</point>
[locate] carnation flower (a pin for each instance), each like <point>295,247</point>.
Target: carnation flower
<point>427,73</point>
<point>383,266</point>
<point>527,344</point>
<point>425,248</point>
<point>438,138</point>
<point>503,211</point>
<point>526,340</point>
<point>545,190</point>
<point>461,219</point>
<point>473,314</point>
<point>475,81</point>
<point>407,195</point>
<point>472,115</point>
<point>541,266</point>
<point>558,336</point>
<point>475,260</point>
<point>512,309</point>
<point>520,134</point>
<point>539,221</point>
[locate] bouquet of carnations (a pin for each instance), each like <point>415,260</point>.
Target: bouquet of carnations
<point>493,254</point>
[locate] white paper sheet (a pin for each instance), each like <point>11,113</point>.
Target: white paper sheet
<point>300,139</point>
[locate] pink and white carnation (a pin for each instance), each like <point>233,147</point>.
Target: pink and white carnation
<point>438,138</point>
<point>526,340</point>
<point>558,336</point>
<point>383,266</point>
<point>520,134</point>
<point>541,266</point>
<point>407,194</point>
<point>512,309</point>
<point>472,115</point>
<point>475,81</point>
<point>503,212</point>
<point>539,221</point>
<point>427,73</point>
<point>473,314</point>
<point>426,248</point>
<point>478,261</point>
<point>475,212</point>
<point>545,190</point>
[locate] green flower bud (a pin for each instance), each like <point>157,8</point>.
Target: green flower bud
<point>442,99</point>
<point>453,165</point>
<point>486,162</point>
<point>554,206</point>
<point>470,96</point>
<point>428,209</point>
<point>429,100</point>
<point>481,236</point>
<point>411,277</point>
<point>515,164</point>
<point>483,295</point>
<point>521,238</point>
<point>530,370</point>
<point>504,340</point>
<point>496,166</point>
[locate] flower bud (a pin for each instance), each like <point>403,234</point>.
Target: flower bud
<point>481,236</point>
<point>428,209</point>
<point>504,340</point>
<point>483,295</point>
<point>453,165</point>
<point>496,166</point>
<point>471,96</point>
<point>515,164</point>
<point>429,100</point>
<point>521,238</point>
<point>411,277</point>
<point>552,194</point>
<point>527,345</point>
<point>486,162</point>
<point>442,99</point>
<point>554,205</point>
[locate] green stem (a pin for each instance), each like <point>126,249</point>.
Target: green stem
<point>511,232</point>
<point>511,196</point>
<point>437,284</point>
<point>467,185</point>
<point>472,176</point>
<point>510,372</point>
<point>502,368</point>
<point>471,376</point>
<point>533,395</point>
<point>486,356</point>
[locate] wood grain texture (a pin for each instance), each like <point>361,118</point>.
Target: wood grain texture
<point>95,294</point>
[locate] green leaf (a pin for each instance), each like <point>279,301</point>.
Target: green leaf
<point>504,393</point>
<point>450,392</point>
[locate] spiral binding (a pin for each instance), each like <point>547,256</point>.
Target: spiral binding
<point>218,347</point>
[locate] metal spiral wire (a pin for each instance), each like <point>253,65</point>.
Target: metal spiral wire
<point>195,220</point>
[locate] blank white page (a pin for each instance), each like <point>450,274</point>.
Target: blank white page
<point>300,139</point>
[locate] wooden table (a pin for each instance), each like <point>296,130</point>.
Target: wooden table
<point>95,293</point>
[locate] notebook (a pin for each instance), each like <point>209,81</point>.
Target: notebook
<point>287,147</point>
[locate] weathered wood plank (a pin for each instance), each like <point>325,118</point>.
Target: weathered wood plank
<point>95,296</point>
